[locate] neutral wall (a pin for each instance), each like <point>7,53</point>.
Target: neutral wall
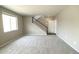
<point>68,26</point>
<point>5,37</point>
<point>31,28</point>
<point>52,26</point>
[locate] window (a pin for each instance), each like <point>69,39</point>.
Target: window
<point>9,23</point>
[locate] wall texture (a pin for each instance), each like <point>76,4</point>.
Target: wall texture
<point>31,28</point>
<point>68,26</point>
<point>5,37</point>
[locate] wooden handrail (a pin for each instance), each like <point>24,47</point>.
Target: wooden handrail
<point>38,21</point>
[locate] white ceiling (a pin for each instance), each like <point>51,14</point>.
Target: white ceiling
<point>35,9</point>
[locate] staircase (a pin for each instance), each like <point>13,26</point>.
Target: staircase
<point>41,22</point>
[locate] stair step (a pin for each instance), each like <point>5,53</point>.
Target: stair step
<point>51,33</point>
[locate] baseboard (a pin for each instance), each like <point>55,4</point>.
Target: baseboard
<point>34,34</point>
<point>67,42</point>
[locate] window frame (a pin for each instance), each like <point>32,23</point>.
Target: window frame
<point>11,15</point>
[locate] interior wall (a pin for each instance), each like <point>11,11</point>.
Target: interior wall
<point>68,26</point>
<point>52,26</point>
<point>5,37</point>
<point>31,28</point>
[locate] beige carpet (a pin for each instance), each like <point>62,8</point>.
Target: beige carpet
<point>50,44</point>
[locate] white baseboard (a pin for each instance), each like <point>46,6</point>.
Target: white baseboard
<point>34,34</point>
<point>67,42</point>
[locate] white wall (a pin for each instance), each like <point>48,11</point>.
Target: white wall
<point>52,26</point>
<point>68,26</point>
<point>31,28</point>
<point>5,37</point>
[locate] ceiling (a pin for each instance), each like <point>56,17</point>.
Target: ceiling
<point>35,9</point>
